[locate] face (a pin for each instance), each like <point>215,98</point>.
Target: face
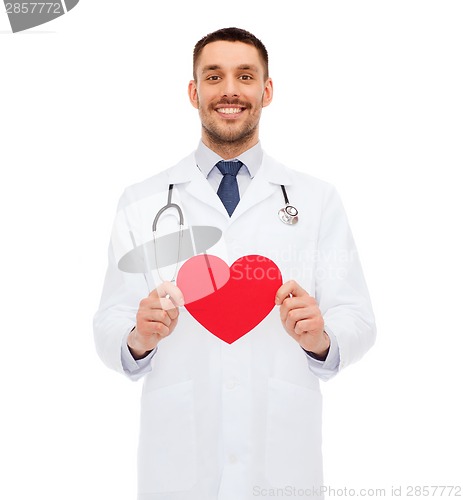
<point>229,93</point>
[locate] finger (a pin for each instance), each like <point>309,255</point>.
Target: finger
<point>146,327</point>
<point>172,312</point>
<point>168,305</point>
<point>297,316</point>
<point>167,288</point>
<point>303,326</point>
<point>307,303</point>
<point>288,289</point>
<point>290,303</point>
<point>159,328</point>
<point>311,325</point>
<point>155,302</point>
<point>157,315</point>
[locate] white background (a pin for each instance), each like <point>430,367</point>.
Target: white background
<point>368,96</point>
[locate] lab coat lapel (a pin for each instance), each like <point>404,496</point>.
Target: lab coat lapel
<point>270,176</point>
<point>188,172</point>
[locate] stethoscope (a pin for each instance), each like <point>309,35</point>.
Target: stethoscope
<point>154,227</point>
<point>288,215</point>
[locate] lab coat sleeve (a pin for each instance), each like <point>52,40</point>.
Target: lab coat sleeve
<point>116,315</point>
<point>325,369</point>
<point>135,368</point>
<point>340,288</point>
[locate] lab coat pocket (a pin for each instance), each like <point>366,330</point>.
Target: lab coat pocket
<point>293,452</point>
<point>167,449</point>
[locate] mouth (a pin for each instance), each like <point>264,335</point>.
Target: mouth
<point>230,111</point>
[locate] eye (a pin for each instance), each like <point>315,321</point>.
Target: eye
<point>213,78</point>
<point>246,77</point>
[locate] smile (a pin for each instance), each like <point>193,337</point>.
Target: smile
<point>230,112</point>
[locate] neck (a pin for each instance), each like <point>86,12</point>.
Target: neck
<point>229,150</point>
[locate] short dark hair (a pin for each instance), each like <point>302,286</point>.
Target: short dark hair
<point>231,35</point>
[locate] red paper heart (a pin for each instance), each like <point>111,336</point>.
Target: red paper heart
<point>229,302</point>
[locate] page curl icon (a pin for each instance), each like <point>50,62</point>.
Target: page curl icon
<point>24,15</point>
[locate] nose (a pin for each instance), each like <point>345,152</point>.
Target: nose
<point>229,87</point>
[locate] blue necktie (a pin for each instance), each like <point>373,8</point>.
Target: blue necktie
<point>228,189</point>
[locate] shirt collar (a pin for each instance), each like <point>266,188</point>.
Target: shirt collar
<point>206,159</point>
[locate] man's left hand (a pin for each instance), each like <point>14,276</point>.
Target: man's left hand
<point>302,318</point>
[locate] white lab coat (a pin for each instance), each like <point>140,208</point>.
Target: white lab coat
<point>232,422</point>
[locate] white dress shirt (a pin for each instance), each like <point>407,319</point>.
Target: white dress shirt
<point>206,161</point>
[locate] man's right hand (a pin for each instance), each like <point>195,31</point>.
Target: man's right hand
<point>157,317</point>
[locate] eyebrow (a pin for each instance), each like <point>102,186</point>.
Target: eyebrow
<point>214,67</point>
<point>249,67</point>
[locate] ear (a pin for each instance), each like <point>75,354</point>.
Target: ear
<point>268,92</point>
<point>193,94</point>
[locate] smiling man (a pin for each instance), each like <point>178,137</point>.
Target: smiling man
<point>232,420</point>
<point>230,88</point>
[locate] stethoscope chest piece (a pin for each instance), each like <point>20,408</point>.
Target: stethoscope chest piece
<point>288,215</point>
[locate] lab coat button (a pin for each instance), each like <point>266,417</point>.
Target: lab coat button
<point>230,384</point>
<point>233,459</point>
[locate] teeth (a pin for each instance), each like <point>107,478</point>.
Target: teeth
<point>230,111</point>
